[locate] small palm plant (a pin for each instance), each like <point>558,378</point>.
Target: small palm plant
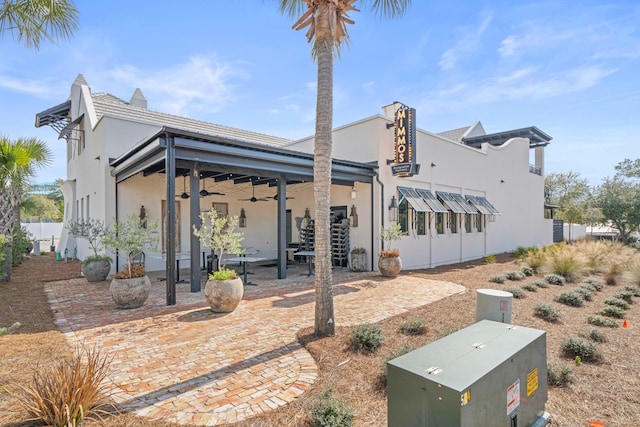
<point>219,233</point>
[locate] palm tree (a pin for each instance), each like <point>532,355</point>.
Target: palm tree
<point>32,21</point>
<point>327,21</point>
<point>19,161</point>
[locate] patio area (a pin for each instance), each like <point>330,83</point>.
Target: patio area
<point>186,364</point>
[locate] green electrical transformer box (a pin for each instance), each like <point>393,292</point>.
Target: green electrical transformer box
<point>489,374</point>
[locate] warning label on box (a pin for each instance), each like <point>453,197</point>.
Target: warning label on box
<point>532,382</point>
<point>513,397</point>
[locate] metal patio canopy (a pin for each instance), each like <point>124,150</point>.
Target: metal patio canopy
<point>177,152</point>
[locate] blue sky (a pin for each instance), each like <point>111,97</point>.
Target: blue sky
<point>570,68</point>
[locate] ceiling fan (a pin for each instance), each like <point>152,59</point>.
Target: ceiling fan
<point>204,192</point>
<point>253,198</point>
<point>276,197</point>
<point>184,194</point>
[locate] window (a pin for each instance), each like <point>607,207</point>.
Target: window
<point>440,223</point>
<point>422,226</point>
<point>479,223</point>
<point>467,223</point>
<point>453,222</point>
<point>403,215</point>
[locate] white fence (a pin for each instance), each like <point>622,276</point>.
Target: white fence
<point>574,231</point>
<point>44,231</point>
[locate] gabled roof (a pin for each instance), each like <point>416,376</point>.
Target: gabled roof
<point>536,137</point>
<point>106,104</point>
<point>454,134</point>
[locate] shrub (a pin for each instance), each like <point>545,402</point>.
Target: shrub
<point>536,259</point>
<point>330,411</point>
<point>597,336</point>
<point>602,321</point>
<point>625,296</point>
<point>517,292</point>
<point>587,294</point>
<point>223,274</point>
<point>69,392</point>
<point>571,298</point>
<point>634,269</point>
<point>530,287</point>
<point>519,252</point>
<point>613,272</point>
<point>366,337</point>
<point>391,253</point>
<point>490,259</point>
<point>588,287</point>
<point>413,327</point>
<point>587,351</point>
<point>559,376</point>
<point>633,290</point>
<point>514,275</point>
<point>566,263</point>
<point>10,329</point>
<point>540,284</point>
<point>20,240</point>
<point>597,284</point>
<point>497,278</point>
<point>358,251</point>
<point>528,271</point>
<point>4,243</point>
<point>611,311</point>
<point>615,302</point>
<point>547,312</point>
<point>554,279</point>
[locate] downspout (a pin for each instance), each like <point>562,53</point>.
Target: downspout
<point>116,206</point>
<point>381,213</point>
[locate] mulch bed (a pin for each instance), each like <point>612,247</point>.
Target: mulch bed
<point>607,392</point>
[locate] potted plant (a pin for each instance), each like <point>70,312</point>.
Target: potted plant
<point>95,268</point>
<point>389,262</point>
<point>224,289</point>
<point>358,259</point>
<point>131,286</point>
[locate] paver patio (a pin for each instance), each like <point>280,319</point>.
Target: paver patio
<point>188,365</point>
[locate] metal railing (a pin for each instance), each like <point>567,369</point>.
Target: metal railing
<point>535,170</point>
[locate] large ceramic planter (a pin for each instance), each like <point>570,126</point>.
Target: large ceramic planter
<point>130,293</point>
<point>223,296</point>
<point>96,271</point>
<point>358,262</point>
<point>389,266</point>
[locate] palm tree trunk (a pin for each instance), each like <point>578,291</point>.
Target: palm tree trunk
<point>324,319</point>
<point>6,227</point>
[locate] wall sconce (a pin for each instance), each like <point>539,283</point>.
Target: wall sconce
<point>393,210</point>
<point>433,165</point>
<point>242,220</point>
<point>502,181</point>
<point>307,217</point>
<point>353,192</point>
<point>143,217</point>
<point>353,216</point>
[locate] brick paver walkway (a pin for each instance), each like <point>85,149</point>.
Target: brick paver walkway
<point>188,365</point>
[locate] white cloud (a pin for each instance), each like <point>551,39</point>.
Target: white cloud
<point>202,84</point>
<point>468,43</point>
<point>38,88</point>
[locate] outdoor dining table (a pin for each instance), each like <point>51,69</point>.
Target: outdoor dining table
<point>179,257</point>
<point>244,260</point>
<point>309,255</point>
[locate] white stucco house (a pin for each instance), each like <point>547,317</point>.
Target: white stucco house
<point>461,194</point>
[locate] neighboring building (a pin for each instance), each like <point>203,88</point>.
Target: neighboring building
<point>474,194</point>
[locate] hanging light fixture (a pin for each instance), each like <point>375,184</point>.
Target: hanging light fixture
<point>353,216</point>
<point>242,220</point>
<point>184,194</point>
<point>393,209</point>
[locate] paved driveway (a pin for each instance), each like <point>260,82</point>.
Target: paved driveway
<point>188,365</point>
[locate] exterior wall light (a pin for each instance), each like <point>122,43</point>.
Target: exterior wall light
<point>307,217</point>
<point>393,210</point>
<point>143,217</point>
<point>353,216</point>
<point>242,220</point>
<point>353,192</point>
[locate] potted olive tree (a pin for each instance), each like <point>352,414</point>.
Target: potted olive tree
<point>389,262</point>
<point>224,289</point>
<point>95,268</point>
<point>131,286</point>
